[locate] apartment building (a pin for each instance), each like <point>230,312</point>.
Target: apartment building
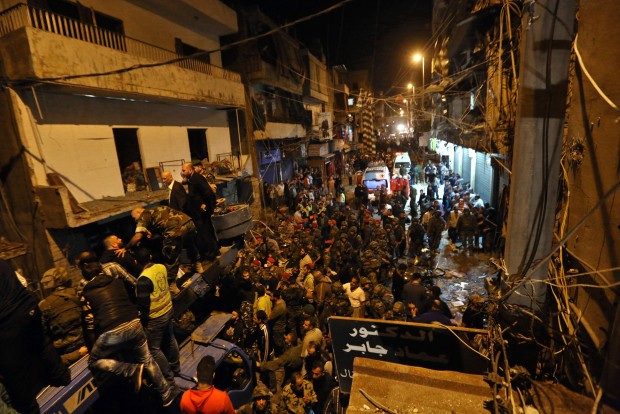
<point>99,98</point>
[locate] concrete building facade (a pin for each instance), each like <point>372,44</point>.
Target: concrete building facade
<point>90,89</point>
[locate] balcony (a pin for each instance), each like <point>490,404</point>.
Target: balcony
<point>257,70</point>
<point>315,85</point>
<point>37,45</point>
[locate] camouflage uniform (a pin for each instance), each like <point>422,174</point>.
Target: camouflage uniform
<point>177,229</point>
<point>61,312</point>
<point>290,403</point>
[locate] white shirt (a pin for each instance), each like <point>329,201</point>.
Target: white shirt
<point>356,297</point>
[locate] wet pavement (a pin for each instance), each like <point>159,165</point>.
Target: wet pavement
<point>465,272</point>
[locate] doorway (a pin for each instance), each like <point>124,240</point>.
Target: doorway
<point>129,159</point>
<point>198,143</point>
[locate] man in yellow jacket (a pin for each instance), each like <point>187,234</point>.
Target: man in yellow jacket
<point>155,306</point>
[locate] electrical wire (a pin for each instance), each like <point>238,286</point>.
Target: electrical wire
<point>590,78</point>
<point>461,339</point>
<point>569,234</point>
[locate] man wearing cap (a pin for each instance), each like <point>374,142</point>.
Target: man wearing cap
<point>62,315</point>
<point>261,402</point>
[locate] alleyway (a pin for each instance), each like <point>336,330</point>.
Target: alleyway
<point>465,272</point>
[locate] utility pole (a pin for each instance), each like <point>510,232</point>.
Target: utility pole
<point>548,28</point>
<point>257,184</point>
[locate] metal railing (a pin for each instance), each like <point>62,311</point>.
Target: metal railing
<point>22,15</point>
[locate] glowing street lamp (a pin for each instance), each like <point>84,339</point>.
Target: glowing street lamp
<point>417,58</point>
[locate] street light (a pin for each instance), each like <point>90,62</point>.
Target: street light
<point>417,58</point>
<point>411,87</point>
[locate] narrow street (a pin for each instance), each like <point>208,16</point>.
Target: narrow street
<point>210,180</point>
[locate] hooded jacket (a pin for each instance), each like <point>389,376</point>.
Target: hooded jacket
<point>211,401</point>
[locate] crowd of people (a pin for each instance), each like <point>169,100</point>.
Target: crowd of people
<point>320,256</point>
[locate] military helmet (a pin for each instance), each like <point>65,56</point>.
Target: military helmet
<point>54,277</point>
<point>388,299</point>
<point>378,307</point>
<point>261,390</point>
<point>399,308</point>
<point>378,291</point>
<point>337,288</point>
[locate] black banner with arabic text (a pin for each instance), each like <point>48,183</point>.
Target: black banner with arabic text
<point>417,344</point>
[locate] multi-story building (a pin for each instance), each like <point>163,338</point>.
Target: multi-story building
<point>292,98</point>
<point>474,90</point>
<point>521,84</point>
<point>273,70</point>
<point>99,97</point>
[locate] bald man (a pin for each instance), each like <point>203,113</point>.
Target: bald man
<point>177,196</point>
<point>200,205</point>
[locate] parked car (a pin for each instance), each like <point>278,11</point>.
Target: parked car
<point>374,177</point>
<point>401,159</point>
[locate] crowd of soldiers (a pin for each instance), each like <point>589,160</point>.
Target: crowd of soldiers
<point>320,256</point>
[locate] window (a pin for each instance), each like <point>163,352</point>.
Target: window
<point>198,143</point>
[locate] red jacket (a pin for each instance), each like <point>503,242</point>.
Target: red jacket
<point>211,401</point>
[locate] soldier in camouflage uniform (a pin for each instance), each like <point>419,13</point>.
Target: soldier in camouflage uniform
<point>177,229</point>
<point>261,402</point>
<point>338,305</point>
<point>62,315</point>
<point>298,396</point>
<point>370,258</point>
<point>399,312</point>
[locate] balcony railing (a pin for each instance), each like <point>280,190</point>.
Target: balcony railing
<point>22,15</point>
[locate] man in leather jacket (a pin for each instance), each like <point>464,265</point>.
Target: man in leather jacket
<point>113,327</point>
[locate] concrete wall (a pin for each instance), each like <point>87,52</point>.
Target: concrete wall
<point>85,155</point>
<point>32,53</point>
<point>593,127</point>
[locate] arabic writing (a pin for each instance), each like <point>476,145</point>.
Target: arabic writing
<point>363,348</point>
<point>363,332</point>
<point>347,373</point>
<point>420,356</point>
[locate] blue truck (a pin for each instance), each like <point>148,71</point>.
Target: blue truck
<point>234,372</point>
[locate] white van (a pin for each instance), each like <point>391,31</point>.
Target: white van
<point>401,159</point>
<point>374,177</point>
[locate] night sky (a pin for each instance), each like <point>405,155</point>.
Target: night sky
<point>379,35</point>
